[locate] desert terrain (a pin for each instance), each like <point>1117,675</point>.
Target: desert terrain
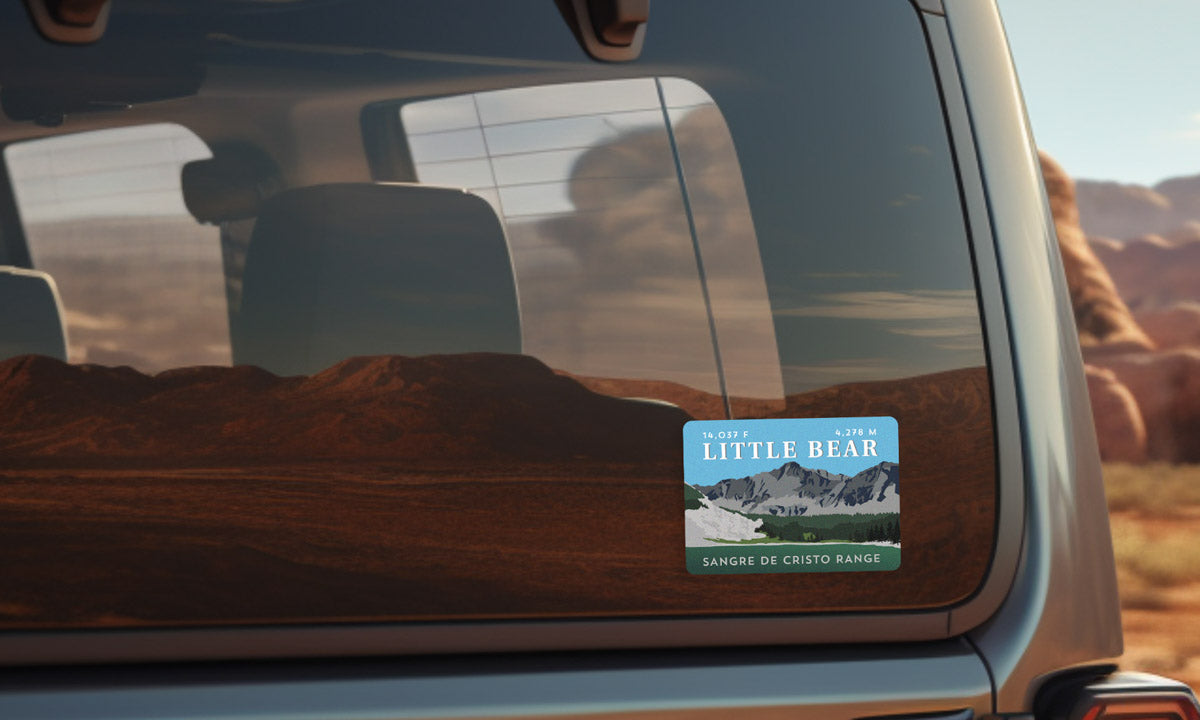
<point>1155,511</point>
<point>409,488</point>
<point>1132,255</point>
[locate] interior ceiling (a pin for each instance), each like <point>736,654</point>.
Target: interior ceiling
<point>262,51</point>
<point>266,72</point>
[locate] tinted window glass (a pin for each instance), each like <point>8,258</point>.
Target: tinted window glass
<point>631,237</point>
<point>477,284</point>
<point>141,280</point>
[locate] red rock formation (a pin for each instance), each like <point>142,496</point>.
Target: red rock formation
<point>1174,326</point>
<point>1152,270</point>
<point>1184,194</point>
<point>1101,315</point>
<point>1117,210</point>
<point>1119,424</point>
<point>1109,209</point>
<point>1167,388</point>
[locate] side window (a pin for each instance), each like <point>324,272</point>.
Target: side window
<point>141,281</point>
<point>633,248</point>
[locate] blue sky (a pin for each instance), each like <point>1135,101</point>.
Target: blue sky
<point>1112,86</point>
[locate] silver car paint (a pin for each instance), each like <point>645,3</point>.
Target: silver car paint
<point>1063,610</point>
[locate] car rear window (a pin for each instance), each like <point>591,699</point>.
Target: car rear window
<point>515,334</point>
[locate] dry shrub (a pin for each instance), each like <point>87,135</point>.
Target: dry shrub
<point>1159,489</point>
<point>1171,559</point>
<point>1137,594</point>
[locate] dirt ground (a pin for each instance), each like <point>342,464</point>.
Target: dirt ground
<point>1155,512</point>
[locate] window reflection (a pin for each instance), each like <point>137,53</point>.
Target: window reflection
<point>141,281</point>
<point>632,242</point>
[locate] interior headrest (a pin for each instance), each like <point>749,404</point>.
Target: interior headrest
<point>335,271</point>
<point>32,320</point>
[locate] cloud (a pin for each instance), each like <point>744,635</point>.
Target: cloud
<point>963,346</point>
<point>947,328</point>
<point>947,320</point>
<point>852,275</point>
<point>79,320</point>
<point>886,305</point>
<point>1192,132</point>
<point>905,199</point>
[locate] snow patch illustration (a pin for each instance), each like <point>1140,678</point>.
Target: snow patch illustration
<point>792,495</point>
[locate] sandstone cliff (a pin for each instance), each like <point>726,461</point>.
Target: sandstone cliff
<point>1103,317</point>
<point>1143,366</point>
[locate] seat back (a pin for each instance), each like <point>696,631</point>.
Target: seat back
<point>335,271</point>
<point>31,316</point>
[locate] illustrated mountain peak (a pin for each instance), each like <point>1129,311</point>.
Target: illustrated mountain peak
<point>792,489</point>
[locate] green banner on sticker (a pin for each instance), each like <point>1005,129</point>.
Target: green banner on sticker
<point>787,557</point>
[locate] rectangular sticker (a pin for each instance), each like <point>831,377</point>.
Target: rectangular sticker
<point>791,495</point>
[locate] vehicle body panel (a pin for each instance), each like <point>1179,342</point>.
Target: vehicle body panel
<point>1063,610</point>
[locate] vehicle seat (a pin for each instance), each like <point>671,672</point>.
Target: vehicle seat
<point>32,320</point>
<point>340,270</point>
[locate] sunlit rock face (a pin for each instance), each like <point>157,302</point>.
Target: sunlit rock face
<point>1102,316</point>
<point>1154,271</point>
<point>1132,259</point>
<point>1166,386</point>
<point>1126,211</point>
<point>1173,326</point>
<point>1147,237</point>
<point>1119,424</point>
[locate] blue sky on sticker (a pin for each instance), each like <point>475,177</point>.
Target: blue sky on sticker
<point>698,471</point>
